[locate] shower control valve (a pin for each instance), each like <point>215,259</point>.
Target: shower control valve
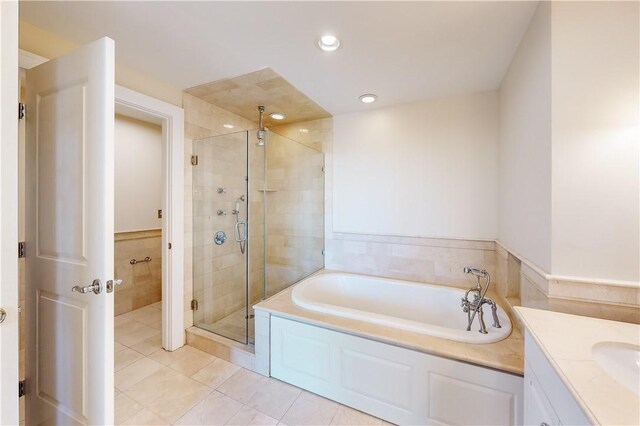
<point>220,238</point>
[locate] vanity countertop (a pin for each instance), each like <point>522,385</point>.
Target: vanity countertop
<point>506,355</point>
<point>568,343</point>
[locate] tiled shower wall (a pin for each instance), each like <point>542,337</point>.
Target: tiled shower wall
<point>295,212</point>
<point>141,283</point>
<point>202,120</point>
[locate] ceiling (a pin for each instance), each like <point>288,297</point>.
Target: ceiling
<point>241,95</point>
<point>401,51</point>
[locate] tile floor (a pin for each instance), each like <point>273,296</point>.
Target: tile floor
<point>191,387</point>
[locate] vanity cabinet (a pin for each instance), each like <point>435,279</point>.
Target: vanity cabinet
<point>547,401</point>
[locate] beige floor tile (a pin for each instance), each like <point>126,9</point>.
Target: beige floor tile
<point>242,385</point>
<point>146,417</point>
<point>126,408</point>
<point>155,385</point>
<point>215,409</point>
<point>248,416</point>
<point>157,305</point>
<point>186,360</point>
<point>133,332</point>
<point>310,409</point>
<point>150,345</point>
<point>117,347</point>
<point>132,374</point>
<point>122,319</point>
<point>274,398</point>
<point>215,373</point>
<point>126,325</point>
<point>149,316</point>
<point>168,393</point>
<point>126,357</point>
<point>348,416</point>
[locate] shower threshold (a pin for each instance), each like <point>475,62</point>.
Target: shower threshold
<point>233,326</point>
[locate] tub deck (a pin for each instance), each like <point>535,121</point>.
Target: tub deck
<point>506,355</point>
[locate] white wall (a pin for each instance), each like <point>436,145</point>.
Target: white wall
<point>596,139</point>
<point>421,169</point>
<point>524,180</point>
<point>138,181</point>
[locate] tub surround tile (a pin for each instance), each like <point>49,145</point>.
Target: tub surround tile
<point>566,340</point>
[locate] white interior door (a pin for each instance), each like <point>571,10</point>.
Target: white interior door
<point>8,213</point>
<point>69,237</point>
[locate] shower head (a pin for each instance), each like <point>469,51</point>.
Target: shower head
<point>261,136</point>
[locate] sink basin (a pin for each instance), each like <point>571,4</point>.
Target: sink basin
<point>621,361</point>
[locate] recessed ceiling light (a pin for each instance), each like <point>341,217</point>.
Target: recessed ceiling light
<point>328,43</point>
<point>304,130</point>
<point>368,98</point>
<point>228,126</point>
<point>277,116</point>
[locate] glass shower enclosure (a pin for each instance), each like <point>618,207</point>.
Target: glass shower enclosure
<point>258,225</point>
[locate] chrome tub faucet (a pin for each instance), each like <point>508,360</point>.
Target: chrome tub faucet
<point>473,307</point>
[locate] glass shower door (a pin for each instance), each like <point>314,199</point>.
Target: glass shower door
<point>220,180</point>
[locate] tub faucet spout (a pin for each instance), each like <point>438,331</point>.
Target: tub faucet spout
<point>473,308</point>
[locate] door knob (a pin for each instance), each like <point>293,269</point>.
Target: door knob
<point>112,283</point>
<point>3,315</point>
<point>96,287</point>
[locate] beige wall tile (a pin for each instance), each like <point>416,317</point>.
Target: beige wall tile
<point>141,283</point>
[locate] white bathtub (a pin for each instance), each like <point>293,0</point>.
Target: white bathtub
<point>423,308</point>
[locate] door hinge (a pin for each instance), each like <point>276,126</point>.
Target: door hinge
<point>159,213</point>
<point>194,305</point>
<point>22,111</point>
<point>21,388</point>
<point>21,250</point>
<point>323,169</point>
<point>194,160</point>
<point>169,246</point>
<point>323,252</point>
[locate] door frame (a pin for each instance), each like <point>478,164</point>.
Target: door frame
<point>9,332</point>
<point>171,118</point>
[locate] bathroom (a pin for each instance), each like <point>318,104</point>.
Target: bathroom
<point>366,213</point>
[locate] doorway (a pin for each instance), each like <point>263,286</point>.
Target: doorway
<point>137,239</point>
